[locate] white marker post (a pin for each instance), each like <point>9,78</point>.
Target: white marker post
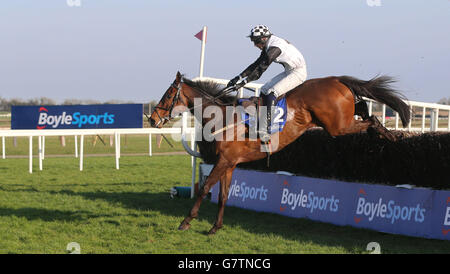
<point>193,144</point>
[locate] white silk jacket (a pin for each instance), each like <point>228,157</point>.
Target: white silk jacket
<point>290,56</point>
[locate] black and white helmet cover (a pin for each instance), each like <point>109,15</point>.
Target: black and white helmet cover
<point>258,32</point>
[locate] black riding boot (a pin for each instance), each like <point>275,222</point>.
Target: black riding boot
<point>265,124</point>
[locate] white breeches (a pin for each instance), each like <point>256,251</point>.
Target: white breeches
<point>284,82</point>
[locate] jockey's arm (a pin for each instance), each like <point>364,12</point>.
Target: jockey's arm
<point>255,70</point>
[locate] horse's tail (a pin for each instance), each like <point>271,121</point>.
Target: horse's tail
<point>379,89</point>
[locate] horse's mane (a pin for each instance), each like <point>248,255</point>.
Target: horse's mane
<point>207,148</point>
<point>211,88</point>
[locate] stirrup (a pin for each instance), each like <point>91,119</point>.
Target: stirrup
<point>269,151</point>
<point>263,136</point>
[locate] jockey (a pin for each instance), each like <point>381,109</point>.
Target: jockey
<point>278,50</point>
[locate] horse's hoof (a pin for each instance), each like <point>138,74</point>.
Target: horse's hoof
<point>184,226</point>
<point>213,230</point>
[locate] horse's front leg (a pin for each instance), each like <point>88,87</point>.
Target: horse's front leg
<point>216,173</point>
<point>225,182</point>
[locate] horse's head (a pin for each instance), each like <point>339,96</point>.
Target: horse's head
<point>170,100</point>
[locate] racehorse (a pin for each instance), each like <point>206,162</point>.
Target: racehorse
<point>325,102</point>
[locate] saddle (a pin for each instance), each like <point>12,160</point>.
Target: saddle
<point>251,109</point>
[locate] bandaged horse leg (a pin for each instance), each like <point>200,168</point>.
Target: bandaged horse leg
<point>265,117</point>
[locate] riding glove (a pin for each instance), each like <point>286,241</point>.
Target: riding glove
<point>233,81</point>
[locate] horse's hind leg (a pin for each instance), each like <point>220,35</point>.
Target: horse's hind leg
<point>371,125</point>
<point>378,128</point>
<point>356,126</point>
<point>216,173</point>
<point>362,110</point>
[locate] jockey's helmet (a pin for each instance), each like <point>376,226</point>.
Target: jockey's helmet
<point>259,32</point>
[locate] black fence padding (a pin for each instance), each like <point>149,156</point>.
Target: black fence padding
<point>422,160</point>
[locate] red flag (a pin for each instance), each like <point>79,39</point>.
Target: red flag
<point>199,36</point>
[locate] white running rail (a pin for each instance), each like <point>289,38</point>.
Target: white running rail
<point>41,134</point>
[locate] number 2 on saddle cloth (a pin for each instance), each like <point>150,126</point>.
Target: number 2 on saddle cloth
<point>278,116</point>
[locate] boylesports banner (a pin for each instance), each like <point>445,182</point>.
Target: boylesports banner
<point>77,116</point>
<point>414,212</point>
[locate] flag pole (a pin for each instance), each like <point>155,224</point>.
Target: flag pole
<point>202,55</point>
<point>193,143</point>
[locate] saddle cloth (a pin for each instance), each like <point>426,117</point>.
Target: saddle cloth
<point>278,117</point>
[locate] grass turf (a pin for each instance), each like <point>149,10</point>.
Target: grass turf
<point>129,211</point>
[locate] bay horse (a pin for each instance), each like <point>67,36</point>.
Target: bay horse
<point>325,102</point>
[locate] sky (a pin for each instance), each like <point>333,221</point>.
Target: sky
<point>131,50</point>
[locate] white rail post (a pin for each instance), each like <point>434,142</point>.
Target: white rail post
<point>30,160</point>
<point>370,108</point>
<point>193,147</point>
<point>76,146</point>
<point>184,121</point>
<point>3,147</point>
<point>43,147</point>
<point>437,120</point>
<point>448,125</point>
<point>424,110</point>
<point>150,144</point>
<point>40,151</point>
<point>116,141</point>
<point>434,119</point>
<point>193,163</point>
<point>383,115</point>
<point>81,151</point>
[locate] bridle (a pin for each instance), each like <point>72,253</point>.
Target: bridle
<point>177,98</point>
<point>172,105</point>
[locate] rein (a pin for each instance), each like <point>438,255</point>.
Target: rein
<point>169,110</point>
<point>209,97</point>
